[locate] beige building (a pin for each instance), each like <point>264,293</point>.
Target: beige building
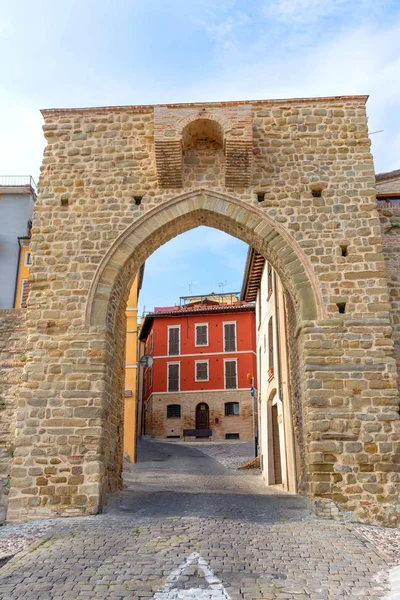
<point>276,440</point>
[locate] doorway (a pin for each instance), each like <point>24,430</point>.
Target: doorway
<point>276,445</point>
<point>202,416</point>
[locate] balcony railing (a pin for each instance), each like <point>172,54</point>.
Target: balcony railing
<point>18,181</point>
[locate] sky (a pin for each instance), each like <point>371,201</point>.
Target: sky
<point>98,52</point>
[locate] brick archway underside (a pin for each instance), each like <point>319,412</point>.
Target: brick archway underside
<point>116,272</point>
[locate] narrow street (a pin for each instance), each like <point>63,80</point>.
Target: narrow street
<point>187,527</point>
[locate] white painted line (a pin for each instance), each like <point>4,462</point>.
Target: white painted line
<point>395,583</point>
<point>214,591</point>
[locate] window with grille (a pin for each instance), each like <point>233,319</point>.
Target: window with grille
<point>232,436</point>
<point>271,344</point>
<point>202,335</point>
<point>231,408</point>
<point>269,280</point>
<point>151,345</point>
<point>174,411</point>
<point>230,375</point>
<point>24,293</point>
<point>173,377</point>
<point>173,340</point>
<point>202,371</point>
<point>229,337</point>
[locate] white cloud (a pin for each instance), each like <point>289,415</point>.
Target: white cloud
<point>300,12</point>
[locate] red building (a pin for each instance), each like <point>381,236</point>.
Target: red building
<point>203,361</point>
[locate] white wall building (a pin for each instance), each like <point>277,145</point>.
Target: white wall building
<point>275,425</point>
<point>17,197</point>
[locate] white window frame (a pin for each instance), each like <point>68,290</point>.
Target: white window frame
<point>223,326</point>
<point>195,370</point>
<point>175,362</point>
<point>195,335</point>
<point>26,263</point>
<point>150,377</point>
<point>237,373</point>
<point>179,349</point>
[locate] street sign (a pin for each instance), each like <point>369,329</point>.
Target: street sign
<point>252,391</point>
<point>146,361</point>
<point>176,589</point>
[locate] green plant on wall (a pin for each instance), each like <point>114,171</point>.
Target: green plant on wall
<point>394,226</point>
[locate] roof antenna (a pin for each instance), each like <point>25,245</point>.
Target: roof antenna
<point>221,286</point>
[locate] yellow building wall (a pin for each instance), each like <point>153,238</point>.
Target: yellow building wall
<point>131,373</point>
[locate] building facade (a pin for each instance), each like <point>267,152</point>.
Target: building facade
<point>276,438</point>
<point>203,361</point>
<point>17,199</point>
<point>131,369</point>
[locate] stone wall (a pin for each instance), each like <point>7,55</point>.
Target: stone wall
<point>12,360</point>
<point>297,183</point>
<point>158,425</point>
<point>390,223</point>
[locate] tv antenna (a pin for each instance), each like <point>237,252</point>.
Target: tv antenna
<point>221,286</point>
<point>191,284</point>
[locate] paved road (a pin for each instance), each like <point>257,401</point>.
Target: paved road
<point>220,533</point>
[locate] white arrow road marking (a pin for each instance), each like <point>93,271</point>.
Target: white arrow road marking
<point>215,590</point>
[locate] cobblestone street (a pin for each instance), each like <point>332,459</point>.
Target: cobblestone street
<point>186,526</point>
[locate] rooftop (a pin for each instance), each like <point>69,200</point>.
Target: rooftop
<point>18,184</point>
<point>197,310</point>
<point>146,107</point>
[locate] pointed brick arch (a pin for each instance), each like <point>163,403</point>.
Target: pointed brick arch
<point>184,212</point>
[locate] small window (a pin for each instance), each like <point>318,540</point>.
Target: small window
<point>151,346</point>
<point>173,377</point>
<point>174,412</point>
<point>150,377</point>
<point>202,335</point>
<point>341,307</point>
<point>202,371</point>
<point>27,259</point>
<point>173,340</point>
<point>230,375</point>
<point>232,436</point>
<point>271,344</point>
<point>24,293</point>
<point>231,408</point>
<point>229,337</point>
<point>269,280</point>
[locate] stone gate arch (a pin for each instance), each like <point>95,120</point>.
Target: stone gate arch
<point>298,185</point>
<point>179,214</point>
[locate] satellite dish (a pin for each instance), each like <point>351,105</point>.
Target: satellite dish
<point>146,361</point>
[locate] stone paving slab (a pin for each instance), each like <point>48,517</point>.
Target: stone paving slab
<point>110,557</point>
<point>259,544</point>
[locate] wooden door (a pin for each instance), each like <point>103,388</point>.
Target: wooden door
<point>276,444</point>
<point>202,416</point>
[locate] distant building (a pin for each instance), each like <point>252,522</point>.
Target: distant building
<point>275,423</point>
<point>204,359</point>
<point>17,198</point>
